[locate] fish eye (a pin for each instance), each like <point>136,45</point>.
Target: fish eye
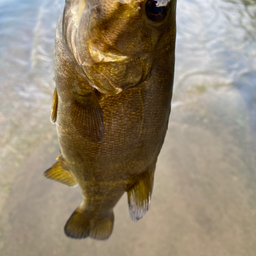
<point>155,12</point>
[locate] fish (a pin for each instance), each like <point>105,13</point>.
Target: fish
<point>114,70</point>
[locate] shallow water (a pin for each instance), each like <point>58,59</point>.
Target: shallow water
<point>204,200</point>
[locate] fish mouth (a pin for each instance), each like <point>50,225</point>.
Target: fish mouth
<point>106,68</point>
<point>114,77</point>
<point>111,72</point>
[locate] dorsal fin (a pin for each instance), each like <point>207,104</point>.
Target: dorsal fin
<point>139,195</point>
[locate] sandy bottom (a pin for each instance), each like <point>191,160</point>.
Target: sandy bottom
<point>204,199</point>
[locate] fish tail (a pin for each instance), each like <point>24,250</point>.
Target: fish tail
<point>82,224</point>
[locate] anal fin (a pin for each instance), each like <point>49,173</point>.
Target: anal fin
<point>54,107</point>
<point>139,195</point>
<point>82,224</point>
<point>59,173</point>
<point>87,116</point>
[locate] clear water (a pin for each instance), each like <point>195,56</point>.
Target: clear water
<point>204,200</point>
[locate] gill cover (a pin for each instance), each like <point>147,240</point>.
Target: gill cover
<point>113,41</point>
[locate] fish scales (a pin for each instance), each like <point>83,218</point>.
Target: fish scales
<point>114,68</point>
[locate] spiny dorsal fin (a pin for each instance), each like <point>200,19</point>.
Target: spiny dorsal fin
<point>54,107</point>
<point>87,116</point>
<point>139,196</point>
<point>59,173</point>
<point>81,225</point>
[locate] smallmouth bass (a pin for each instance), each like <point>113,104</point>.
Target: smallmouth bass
<point>114,67</point>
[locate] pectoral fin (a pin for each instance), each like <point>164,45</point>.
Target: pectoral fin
<point>59,173</point>
<point>139,196</point>
<point>54,107</point>
<point>87,116</point>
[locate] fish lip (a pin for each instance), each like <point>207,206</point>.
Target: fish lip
<point>99,56</point>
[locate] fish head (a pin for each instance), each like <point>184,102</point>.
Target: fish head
<point>116,42</point>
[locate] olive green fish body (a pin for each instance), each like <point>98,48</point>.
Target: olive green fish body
<point>111,129</point>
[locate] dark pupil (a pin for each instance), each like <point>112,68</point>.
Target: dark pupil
<point>155,13</point>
